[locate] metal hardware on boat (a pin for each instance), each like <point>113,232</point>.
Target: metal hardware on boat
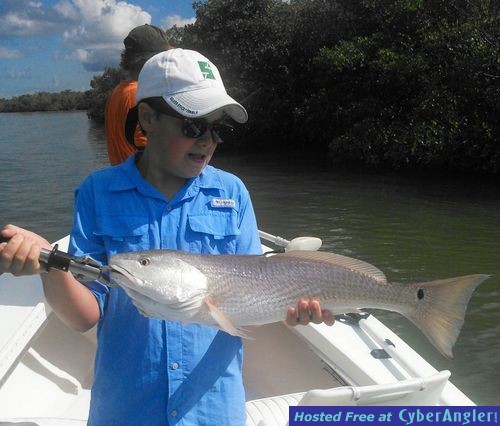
<point>352,319</point>
<point>299,243</point>
<point>276,240</point>
<point>379,354</point>
<point>389,343</point>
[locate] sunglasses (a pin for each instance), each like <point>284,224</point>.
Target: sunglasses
<point>194,128</point>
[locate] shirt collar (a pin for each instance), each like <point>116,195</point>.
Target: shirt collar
<point>128,177</point>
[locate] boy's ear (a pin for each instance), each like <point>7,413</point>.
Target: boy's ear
<point>146,115</point>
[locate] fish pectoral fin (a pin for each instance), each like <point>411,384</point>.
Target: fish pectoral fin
<point>223,321</point>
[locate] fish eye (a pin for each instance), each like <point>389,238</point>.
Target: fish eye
<point>145,261</point>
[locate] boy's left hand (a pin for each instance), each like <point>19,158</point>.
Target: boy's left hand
<point>309,311</point>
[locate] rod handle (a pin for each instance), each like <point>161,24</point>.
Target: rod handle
<point>64,262</point>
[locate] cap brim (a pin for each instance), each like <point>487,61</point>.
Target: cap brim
<point>201,102</point>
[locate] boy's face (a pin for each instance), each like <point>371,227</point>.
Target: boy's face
<point>182,156</point>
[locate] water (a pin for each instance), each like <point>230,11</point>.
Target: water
<point>43,158</point>
<point>414,229</point>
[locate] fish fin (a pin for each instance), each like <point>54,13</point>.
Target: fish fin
<point>440,309</point>
<point>223,321</point>
<point>244,333</point>
<point>340,261</point>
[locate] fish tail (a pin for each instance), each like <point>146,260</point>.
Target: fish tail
<point>440,309</point>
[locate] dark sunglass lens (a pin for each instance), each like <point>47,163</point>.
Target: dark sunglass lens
<point>194,129</point>
<point>222,132</point>
<point>216,138</point>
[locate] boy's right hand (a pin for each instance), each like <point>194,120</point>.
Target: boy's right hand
<point>20,254</point>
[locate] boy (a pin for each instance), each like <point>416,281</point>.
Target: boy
<point>147,371</point>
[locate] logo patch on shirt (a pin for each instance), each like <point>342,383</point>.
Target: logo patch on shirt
<point>223,202</point>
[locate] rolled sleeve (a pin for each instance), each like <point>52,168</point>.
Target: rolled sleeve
<point>84,242</point>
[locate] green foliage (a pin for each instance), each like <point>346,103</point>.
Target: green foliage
<point>45,101</point>
<point>101,86</point>
<point>429,90</point>
<point>379,83</point>
<point>385,83</point>
<point>263,49</point>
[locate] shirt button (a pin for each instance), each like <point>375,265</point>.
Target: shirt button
<point>169,208</point>
<point>175,366</point>
<point>173,413</point>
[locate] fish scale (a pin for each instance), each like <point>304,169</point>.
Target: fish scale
<point>284,286</point>
<point>233,291</point>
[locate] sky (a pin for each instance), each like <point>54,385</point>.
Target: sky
<point>55,45</point>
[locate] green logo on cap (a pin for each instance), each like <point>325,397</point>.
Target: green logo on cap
<point>206,70</point>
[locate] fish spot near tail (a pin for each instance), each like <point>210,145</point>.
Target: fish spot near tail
<point>440,309</point>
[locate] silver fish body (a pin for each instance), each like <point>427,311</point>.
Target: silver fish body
<point>236,291</point>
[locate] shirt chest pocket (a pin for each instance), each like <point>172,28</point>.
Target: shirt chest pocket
<point>123,233</point>
<point>213,232</point>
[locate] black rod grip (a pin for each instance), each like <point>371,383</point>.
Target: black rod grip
<point>52,259</point>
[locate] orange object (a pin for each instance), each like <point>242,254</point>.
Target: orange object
<point>118,104</point>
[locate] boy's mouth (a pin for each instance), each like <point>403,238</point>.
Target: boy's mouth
<point>197,158</point>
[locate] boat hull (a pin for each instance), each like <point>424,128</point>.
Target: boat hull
<point>46,369</point>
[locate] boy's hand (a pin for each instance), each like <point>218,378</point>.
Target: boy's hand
<point>20,255</point>
<point>309,311</point>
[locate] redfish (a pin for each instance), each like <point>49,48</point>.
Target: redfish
<point>232,291</point>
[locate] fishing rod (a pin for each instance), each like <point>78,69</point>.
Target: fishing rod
<point>83,268</point>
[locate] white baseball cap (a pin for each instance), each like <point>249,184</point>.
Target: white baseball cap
<point>189,83</point>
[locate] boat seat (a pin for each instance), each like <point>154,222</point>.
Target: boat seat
<point>273,411</point>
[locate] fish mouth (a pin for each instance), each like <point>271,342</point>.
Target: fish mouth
<point>125,273</point>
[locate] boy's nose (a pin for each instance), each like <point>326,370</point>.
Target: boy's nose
<point>205,138</point>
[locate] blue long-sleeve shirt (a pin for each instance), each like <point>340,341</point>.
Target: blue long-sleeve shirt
<point>153,372</point>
